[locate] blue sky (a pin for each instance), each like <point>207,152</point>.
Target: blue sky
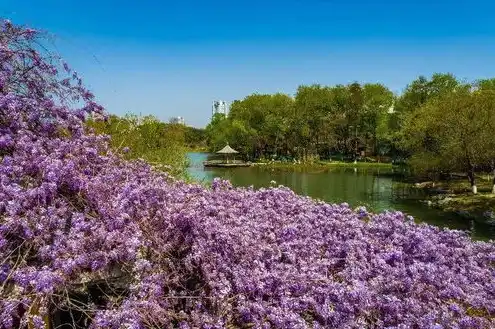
<point>174,58</point>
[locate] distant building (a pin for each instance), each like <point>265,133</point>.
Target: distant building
<point>219,107</point>
<point>177,120</point>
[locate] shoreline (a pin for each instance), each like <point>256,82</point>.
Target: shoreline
<point>320,166</point>
<point>455,197</point>
<point>451,196</point>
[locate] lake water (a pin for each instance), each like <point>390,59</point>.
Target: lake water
<point>364,187</point>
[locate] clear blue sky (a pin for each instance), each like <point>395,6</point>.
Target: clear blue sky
<point>174,58</point>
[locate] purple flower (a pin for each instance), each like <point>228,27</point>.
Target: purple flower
<point>75,215</point>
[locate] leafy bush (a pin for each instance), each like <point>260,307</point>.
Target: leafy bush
<point>146,138</point>
<point>120,245</point>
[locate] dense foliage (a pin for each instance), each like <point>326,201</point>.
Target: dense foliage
<point>195,138</point>
<point>119,245</point>
<point>438,125</point>
<point>161,144</point>
<point>453,133</point>
<point>319,121</point>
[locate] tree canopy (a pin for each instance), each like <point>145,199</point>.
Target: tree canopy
<point>317,121</point>
<point>438,124</point>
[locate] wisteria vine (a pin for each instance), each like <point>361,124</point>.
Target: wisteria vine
<point>84,232</point>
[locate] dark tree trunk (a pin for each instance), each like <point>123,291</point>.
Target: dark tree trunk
<point>493,171</point>
<point>472,180</point>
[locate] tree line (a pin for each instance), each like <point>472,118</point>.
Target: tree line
<point>438,125</point>
<point>148,138</point>
<point>318,122</point>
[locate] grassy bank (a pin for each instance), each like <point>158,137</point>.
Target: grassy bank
<point>456,196</point>
<point>357,165</point>
<point>320,166</point>
<point>450,195</point>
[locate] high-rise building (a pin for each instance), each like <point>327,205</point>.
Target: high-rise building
<point>177,120</point>
<point>219,107</point>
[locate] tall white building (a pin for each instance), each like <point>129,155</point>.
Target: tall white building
<point>219,107</point>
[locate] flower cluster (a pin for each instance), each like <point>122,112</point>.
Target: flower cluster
<point>124,246</point>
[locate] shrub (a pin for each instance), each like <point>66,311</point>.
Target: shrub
<point>120,245</point>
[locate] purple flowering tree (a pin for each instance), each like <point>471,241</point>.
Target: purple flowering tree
<point>90,240</point>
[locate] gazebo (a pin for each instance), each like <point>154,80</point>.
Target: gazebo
<point>226,163</point>
<point>227,150</point>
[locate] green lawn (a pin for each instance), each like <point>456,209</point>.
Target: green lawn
<point>320,166</point>
<point>459,198</point>
<point>357,165</point>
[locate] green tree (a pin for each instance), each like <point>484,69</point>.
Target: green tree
<point>195,138</point>
<point>378,99</point>
<point>422,90</point>
<point>453,132</point>
<point>488,86</point>
<point>416,94</point>
<point>217,132</point>
<point>258,124</point>
<point>146,137</point>
<point>312,109</point>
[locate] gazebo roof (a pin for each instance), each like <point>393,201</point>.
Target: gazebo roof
<point>227,150</point>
